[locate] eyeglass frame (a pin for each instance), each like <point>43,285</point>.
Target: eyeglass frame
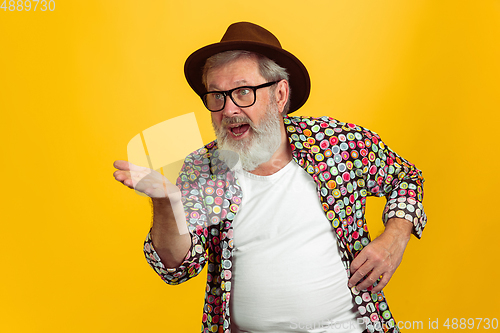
<point>230,94</point>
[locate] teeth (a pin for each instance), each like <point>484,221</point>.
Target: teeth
<point>239,134</point>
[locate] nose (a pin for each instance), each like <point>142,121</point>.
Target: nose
<point>230,109</point>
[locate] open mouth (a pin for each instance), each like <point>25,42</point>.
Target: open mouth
<point>239,129</point>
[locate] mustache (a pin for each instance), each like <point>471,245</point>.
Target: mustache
<point>237,120</point>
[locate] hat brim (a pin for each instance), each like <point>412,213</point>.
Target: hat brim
<point>299,80</point>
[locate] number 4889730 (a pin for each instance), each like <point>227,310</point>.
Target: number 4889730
<point>27,5</point>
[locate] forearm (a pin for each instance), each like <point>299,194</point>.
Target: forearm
<point>169,233</point>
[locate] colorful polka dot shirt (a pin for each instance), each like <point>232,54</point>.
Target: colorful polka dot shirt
<point>347,162</point>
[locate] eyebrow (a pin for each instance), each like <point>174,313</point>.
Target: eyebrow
<point>237,83</point>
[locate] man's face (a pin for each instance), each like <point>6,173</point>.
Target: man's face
<point>241,72</point>
<point>254,132</point>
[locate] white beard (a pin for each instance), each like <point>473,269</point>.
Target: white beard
<point>251,152</point>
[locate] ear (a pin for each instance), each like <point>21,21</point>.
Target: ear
<point>281,94</point>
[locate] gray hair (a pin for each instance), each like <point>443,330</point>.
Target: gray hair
<point>269,69</point>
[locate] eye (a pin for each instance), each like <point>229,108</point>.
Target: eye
<point>244,91</point>
<point>218,96</point>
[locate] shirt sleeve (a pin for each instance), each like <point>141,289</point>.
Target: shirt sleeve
<point>390,175</point>
<point>193,204</point>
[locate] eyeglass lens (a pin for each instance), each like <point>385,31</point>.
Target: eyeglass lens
<point>242,97</point>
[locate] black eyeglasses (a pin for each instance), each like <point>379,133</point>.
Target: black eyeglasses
<point>241,96</point>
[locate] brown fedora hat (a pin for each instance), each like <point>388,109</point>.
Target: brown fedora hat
<point>251,37</point>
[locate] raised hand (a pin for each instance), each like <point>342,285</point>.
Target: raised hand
<point>145,180</point>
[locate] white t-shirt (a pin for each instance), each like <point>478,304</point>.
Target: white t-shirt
<point>287,271</point>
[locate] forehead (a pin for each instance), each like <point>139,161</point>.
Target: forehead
<point>237,72</point>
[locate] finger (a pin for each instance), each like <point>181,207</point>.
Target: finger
<point>124,177</point>
<point>130,183</point>
<point>121,175</point>
<point>385,279</point>
<point>127,179</point>
<point>121,164</point>
<point>359,274</point>
<point>358,261</point>
<point>127,166</point>
<point>369,280</point>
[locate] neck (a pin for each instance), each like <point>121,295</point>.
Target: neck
<point>279,160</point>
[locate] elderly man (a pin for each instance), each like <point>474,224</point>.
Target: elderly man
<point>275,206</point>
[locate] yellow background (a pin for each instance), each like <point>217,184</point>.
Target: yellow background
<point>78,83</point>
